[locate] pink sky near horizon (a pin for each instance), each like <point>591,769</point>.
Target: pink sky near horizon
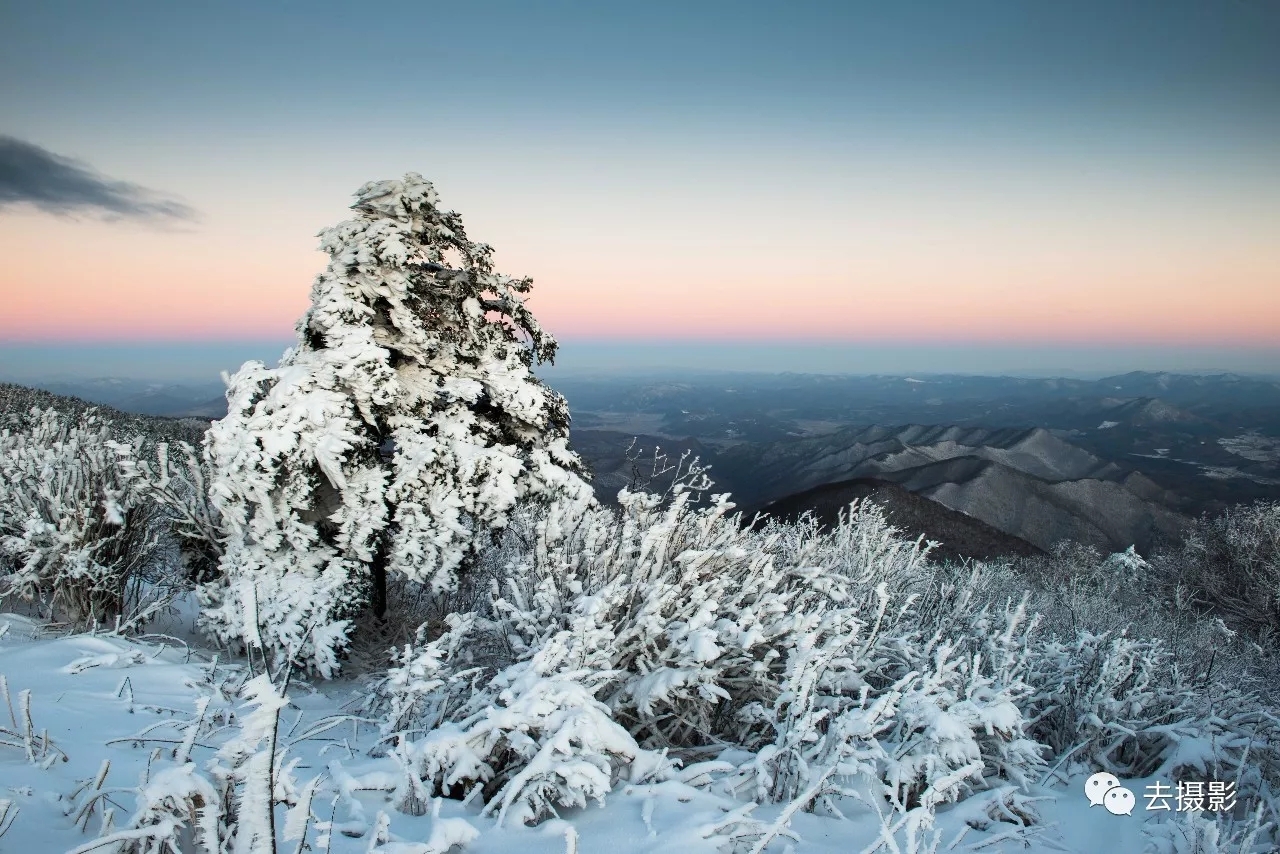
<point>991,282</point>
<point>838,172</point>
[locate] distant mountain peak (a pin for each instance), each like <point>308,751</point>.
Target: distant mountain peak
<point>1150,410</point>
<point>959,535</point>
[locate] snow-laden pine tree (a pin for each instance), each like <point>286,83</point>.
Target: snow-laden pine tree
<point>404,425</point>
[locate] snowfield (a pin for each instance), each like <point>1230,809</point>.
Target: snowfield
<point>107,702</point>
<point>1253,446</point>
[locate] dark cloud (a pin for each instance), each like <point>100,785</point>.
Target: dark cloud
<point>33,175</point>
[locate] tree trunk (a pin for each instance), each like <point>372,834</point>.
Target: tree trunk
<point>378,571</point>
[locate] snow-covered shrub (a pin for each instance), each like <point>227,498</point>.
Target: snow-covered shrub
<point>953,665</point>
<point>1077,590</point>
<point>546,742</point>
<point>1229,566</point>
<point>1131,682</point>
<point>404,426</point>
<point>1110,614</point>
<point>823,655</point>
<point>229,804</point>
<point>179,810</point>
<point>821,741</point>
<point>177,481</point>
<point>428,684</point>
<point>1124,705</point>
<point>962,722</point>
<point>1109,697</point>
<point>74,533</point>
<point>1194,833</point>
<point>528,738</point>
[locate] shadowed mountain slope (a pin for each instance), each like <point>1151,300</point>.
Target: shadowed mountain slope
<point>1027,483</point>
<point>798,464</point>
<point>1104,513</point>
<point>959,535</point>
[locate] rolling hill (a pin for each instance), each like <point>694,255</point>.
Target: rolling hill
<point>1028,483</point>
<point>958,534</point>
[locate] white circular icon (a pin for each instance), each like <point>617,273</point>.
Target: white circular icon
<point>1096,787</point>
<point>1119,801</point>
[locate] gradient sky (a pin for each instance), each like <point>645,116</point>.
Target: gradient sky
<point>1070,182</point>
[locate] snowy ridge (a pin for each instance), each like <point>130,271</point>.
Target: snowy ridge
<point>1025,482</point>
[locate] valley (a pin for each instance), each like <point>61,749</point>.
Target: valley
<point>1112,462</point>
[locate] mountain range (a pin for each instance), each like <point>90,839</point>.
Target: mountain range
<point>1113,462</point>
<point>1027,483</point>
<point>955,535</point>
<point>1119,461</point>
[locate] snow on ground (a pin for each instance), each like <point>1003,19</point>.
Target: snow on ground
<point>1228,472</point>
<point>1253,446</point>
<point>103,698</point>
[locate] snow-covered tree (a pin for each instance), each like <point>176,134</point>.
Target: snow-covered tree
<point>404,426</point>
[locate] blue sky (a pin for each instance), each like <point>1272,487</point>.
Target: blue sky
<point>1036,182</point>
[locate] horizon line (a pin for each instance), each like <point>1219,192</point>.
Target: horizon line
<point>710,341</point>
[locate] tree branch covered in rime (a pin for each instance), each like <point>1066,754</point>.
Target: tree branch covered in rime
<point>404,425</point>
<point>687,474</point>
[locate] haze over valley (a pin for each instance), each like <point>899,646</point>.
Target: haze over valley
<point>1113,462</point>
